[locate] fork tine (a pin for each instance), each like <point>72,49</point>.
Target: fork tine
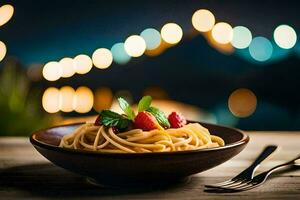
<point>235,186</point>
<point>220,184</point>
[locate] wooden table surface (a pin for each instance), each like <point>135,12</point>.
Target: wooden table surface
<point>25,174</point>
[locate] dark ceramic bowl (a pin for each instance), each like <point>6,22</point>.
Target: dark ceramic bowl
<point>142,168</point>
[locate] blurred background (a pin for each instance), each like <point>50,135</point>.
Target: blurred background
<point>235,63</point>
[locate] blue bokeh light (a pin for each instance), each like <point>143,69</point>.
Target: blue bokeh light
<point>261,49</point>
<point>152,38</point>
<point>119,54</point>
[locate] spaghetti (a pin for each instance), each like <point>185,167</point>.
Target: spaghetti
<point>102,138</point>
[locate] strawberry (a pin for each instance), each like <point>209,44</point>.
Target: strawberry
<point>176,120</point>
<point>146,121</point>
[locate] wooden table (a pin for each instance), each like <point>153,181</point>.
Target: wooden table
<point>24,173</point>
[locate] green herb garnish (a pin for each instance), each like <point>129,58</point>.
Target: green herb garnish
<point>160,116</point>
<point>126,108</point>
<point>110,118</point>
<point>144,103</point>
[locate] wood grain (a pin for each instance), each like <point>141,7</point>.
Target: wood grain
<point>26,174</point>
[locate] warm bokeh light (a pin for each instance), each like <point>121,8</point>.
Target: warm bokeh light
<point>152,38</point>
<point>203,20</point>
<point>159,50</point>
<point>242,37</point>
<point>66,99</point>
<point>156,92</point>
<point>103,98</point>
<point>67,67</point>
<point>84,100</point>
<point>285,36</point>
<point>242,102</point>
<point>171,33</point>
<point>102,58</point>
<point>135,45</point>
<point>50,100</point>
<point>226,49</point>
<point>261,49</point>
<point>83,64</point>
<point>6,12</point>
<point>222,33</point>
<point>2,50</point>
<point>52,71</point>
<point>119,54</point>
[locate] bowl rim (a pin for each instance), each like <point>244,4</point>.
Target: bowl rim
<point>244,140</point>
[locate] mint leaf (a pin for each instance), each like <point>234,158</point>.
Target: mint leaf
<point>126,108</point>
<point>110,118</point>
<point>144,103</point>
<point>160,116</point>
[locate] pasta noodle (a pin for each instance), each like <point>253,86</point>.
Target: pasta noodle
<point>103,139</point>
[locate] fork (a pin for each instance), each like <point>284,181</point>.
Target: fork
<point>261,178</point>
<point>248,173</point>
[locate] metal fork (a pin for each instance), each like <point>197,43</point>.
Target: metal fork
<point>262,177</point>
<point>248,173</point>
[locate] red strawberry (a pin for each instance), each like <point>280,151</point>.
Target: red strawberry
<point>146,121</point>
<point>97,122</point>
<point>176,120</point>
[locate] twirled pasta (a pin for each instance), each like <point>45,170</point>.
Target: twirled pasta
<point>103,139</point>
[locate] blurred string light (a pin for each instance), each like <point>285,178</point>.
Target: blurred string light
<point>119,54</point>
<point>261,49</point>
<point>67,66</point>
<point>6,12</point>
<point>102,58</point>
<point>242,102</point>
<point>222,33</point>
<point>103,98</point>
<point>203,20</point>
<point>82,64</point>
<point>171,33</point>
<point>2,50</point>
<point>226,49</point>
<point>152,38</point>
<point>135,45</point>
<point>83,100</point>
<point>241,38</point>
<point>66,99</point>
<point>50,100</point>
<point>52,71</point>
<point>285,36</point>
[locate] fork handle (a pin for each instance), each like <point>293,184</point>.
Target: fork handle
<point>269,150</point>
<point>289,163</point>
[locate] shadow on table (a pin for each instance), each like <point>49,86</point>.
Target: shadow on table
<point>51,181</point>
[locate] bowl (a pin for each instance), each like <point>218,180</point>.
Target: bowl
<point>128,169</point>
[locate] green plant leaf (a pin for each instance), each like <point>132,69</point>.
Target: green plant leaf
<point>160,116</point>
<point>144,103</point>
<point>110,118</point>
<point>126,108</point>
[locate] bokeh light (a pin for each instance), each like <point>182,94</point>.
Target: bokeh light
<point>102,58</point>
<point>84,100</point>
<point>156,92</point>
<point>52,71</point>
<point>203,20</point>
<point>285,36</point>
<point>6,12</point>
<point>50,100</point>
<point>171,33</point>
<point>152,38</point>
<point>66,99</point>
<point>242,102</point>
<point>260,49</point>
<point>83,64</point>
<point>119,54</point>
<point>103,98</point>
<point>67,67</point>
<point>242,37</point>
<point>222,33</point>
<point>2,50</point>
<point>135,45</point>
<point>226,49</point>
